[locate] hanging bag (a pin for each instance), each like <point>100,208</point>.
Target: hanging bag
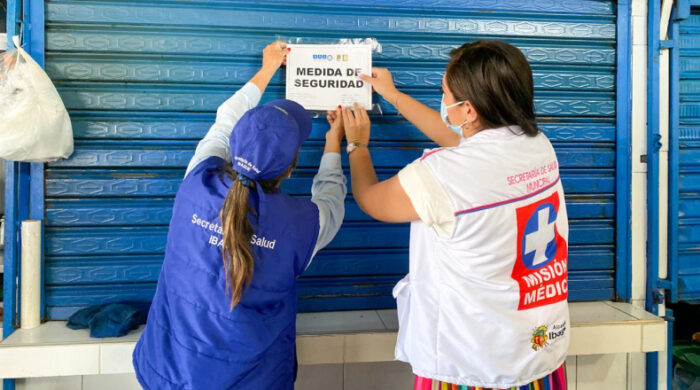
<point>34,123</point>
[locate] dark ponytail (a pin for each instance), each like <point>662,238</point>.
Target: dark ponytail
<point>496,79</point>
<point>238,231</point>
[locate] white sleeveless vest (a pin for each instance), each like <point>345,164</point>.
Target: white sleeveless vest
<point>487,306</point>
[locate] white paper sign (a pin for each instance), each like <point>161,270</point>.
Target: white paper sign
<point>321,77</point>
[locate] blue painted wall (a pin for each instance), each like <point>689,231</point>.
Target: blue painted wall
<point>142,81</point>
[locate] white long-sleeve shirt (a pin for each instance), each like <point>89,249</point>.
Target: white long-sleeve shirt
<point>329,188</point>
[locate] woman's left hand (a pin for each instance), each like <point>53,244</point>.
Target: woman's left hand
<point>357,124</point>
<point>334,136</point>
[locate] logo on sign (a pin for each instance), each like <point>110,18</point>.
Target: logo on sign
<point>326,57</point>
<point>542,254</point>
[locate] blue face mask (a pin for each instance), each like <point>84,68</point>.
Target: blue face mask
<point>443,114</point>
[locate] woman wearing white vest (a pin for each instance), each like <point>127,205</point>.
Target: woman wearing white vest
<point>485,301</point>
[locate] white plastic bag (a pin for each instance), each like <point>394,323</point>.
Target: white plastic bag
<point>34,123</point>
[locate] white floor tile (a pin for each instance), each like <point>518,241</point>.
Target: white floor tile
<point>384,376</point>
<point>320,377</point>
<point>378,347</point>
<point>596,313</point>
<point>320,349</point>
<point>339,322</point>
<point>111,382</point>
<point>50,383</point>
<point>633,310</point>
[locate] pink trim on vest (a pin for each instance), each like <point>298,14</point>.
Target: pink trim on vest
<point>491,205</point>
<point>431,153</point>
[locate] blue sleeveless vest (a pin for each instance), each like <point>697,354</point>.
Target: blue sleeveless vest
<point>192,339</point>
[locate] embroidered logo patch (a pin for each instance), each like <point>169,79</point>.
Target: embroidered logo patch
<point>545,336</point>
<point>539,338</point>
<point>542,254</point>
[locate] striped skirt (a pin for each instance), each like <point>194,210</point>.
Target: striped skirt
<point>554,381</point>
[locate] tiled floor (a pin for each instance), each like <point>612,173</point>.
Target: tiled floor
<point>340,350</point>
<point>602,371</point>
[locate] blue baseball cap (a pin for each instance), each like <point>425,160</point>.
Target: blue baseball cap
<point>266,139</point>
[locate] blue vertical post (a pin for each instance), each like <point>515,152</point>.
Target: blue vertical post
<point>623,146</point>
<point>12,215</point>
<point>653,145</point>
<point>11,174</point>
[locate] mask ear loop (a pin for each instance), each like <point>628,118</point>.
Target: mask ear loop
<point>466,122</point>
<point>468,125</point>
<point>455,104</point>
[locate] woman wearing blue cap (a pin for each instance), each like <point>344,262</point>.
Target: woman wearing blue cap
<point>223,315</point>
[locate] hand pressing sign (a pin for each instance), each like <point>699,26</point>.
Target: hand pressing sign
<point>321,77</point>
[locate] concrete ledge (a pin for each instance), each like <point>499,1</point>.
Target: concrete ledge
<point>336,337</point>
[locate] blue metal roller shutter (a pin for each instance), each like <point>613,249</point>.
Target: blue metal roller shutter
<point>142,81</point>
<point>684,240</point>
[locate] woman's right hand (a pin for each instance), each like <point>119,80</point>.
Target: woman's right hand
<point>274,55</point>
<point>383,83</point>
<point>356,123</point>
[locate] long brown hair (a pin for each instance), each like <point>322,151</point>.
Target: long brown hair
<point>238,231</point>
<point>496,79</point>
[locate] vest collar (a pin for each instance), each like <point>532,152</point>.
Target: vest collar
<point>493,135</point>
